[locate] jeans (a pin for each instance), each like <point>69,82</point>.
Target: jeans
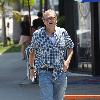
<point>51,89</point>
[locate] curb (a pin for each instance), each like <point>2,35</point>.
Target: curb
<point>81,97</point>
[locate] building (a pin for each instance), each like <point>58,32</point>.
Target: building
<point>82,22</point>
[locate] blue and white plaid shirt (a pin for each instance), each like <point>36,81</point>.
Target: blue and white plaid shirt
<point>48,54</point>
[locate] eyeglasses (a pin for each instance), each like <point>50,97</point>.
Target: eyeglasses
<point>49,18</point>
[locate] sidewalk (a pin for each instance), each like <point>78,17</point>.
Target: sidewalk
<point>13,72</point>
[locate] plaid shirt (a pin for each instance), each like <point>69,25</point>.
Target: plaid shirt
<point>48,54</point>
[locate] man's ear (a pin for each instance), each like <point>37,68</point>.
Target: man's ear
<point>56,22</point>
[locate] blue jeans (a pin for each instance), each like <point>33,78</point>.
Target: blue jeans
<point>51,89</point>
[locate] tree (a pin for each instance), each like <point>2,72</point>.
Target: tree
<point>2,3</point>
<point>16,5</point>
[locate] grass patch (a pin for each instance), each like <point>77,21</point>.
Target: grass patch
<point>10,49</point>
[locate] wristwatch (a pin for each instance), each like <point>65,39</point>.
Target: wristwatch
<point>31,67</point>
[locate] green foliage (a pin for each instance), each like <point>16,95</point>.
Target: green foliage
<point>25,2</point>
<point>11,1</point>
<point>9,49</point>
<point>43,2</point>
<point>17,16</point>
<point>61,21</point>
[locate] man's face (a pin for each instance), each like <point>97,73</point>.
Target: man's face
<point>50,20</point>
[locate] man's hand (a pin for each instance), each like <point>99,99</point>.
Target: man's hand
<point>66,65</point>
<point>67,62</point>
<point>32,72</point>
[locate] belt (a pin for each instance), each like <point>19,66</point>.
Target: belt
<point>47,69</point>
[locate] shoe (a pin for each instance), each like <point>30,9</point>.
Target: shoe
<point>25,82</point>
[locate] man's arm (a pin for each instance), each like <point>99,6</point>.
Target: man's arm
<point>32,58</point>
<point>67,61</point>
<point>32,70</point>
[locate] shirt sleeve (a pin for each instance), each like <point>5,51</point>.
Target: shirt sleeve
<point>68,41</point>
<point>34,41</point>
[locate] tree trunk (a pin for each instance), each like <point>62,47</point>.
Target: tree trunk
<point>4,30</point>
<point>4,26</point>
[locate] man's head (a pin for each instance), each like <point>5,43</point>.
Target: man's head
<point>39,14</point>
<point>50,18</point>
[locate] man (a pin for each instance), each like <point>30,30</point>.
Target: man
<point>38,23</point>
<point>48,45</point>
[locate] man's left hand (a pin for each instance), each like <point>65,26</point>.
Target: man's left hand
<point>66,65</point>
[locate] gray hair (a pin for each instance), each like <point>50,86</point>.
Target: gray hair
<point>49,11</point>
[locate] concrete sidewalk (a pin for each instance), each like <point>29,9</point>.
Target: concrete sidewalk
<point>13,72</point>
